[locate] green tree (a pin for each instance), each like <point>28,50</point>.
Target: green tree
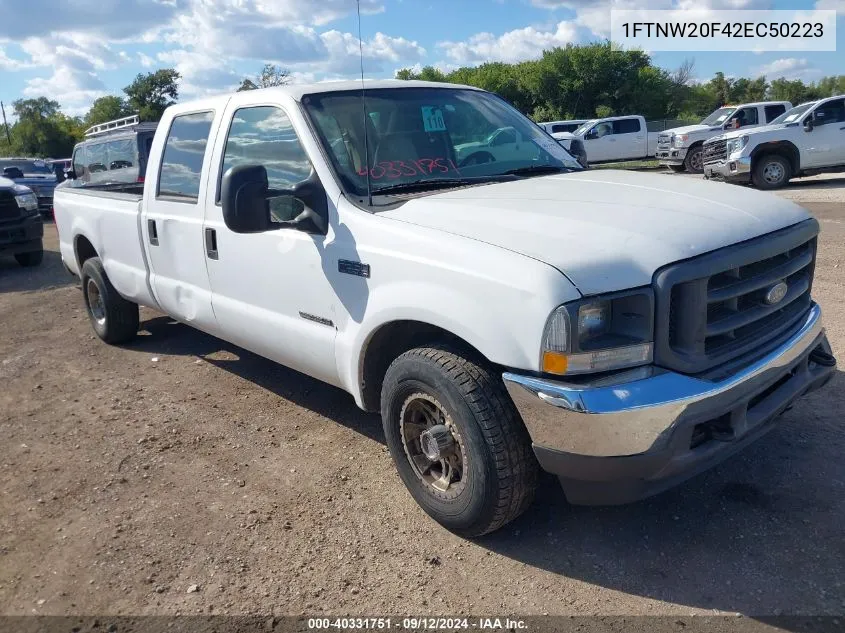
<point>149,95</point>
<point>42,129</point>
<point>107,108</point>
<point>270,75</point>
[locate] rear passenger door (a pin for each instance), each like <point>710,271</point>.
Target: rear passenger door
<point>173,218</point>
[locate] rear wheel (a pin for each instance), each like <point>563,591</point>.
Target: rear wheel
<point>457,440</point>
<point>114,319</point>
<point>32,258</point>
<point>694,161</point>
<point>771,171</point>
<point>677,168</point>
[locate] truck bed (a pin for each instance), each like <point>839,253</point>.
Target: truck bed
<point>109,218</point>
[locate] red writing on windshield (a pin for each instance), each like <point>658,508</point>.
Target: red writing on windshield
<point>393,169</point>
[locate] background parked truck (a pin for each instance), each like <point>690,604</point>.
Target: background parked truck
<point>808,139</point>
<point>680,148</point>
<point>616,139</point>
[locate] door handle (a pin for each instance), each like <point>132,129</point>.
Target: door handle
<point>211,243</point>
<point>152,232</point>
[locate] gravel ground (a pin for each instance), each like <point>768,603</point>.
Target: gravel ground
<point>180,474</point>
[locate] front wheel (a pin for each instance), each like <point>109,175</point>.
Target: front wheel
<point>771,172</point>
<point>694,161</point>
<point>457,440</point>
<point>114,319</point>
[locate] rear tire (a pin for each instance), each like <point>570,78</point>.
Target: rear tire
<point>30,259</point>
<point>677,168</point>
<point>487,473</point>
<point>694,161</point>
<point>771,172</point>
<point>114,319</point>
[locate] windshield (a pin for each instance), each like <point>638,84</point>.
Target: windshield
<point>719,116</point>
<point>34,167</point>
<point>790,116</point>
<point>421,135</point>
<point>584,127</point>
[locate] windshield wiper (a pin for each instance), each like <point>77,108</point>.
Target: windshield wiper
<point>436,183</point>
<point>537,169</point>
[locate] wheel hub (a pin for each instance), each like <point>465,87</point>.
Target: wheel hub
<point>432,444</point>
<point>95,302</point>
<point>773,172</point>
<point>437,442</point>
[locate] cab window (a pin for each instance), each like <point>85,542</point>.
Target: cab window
<point>830,112</point>
<point>774,111</point>
<point>184,151</point>
<point>626,126</point>
<point>264,135</point>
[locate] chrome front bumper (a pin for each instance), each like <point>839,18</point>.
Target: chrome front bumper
<point>640,424</point>
<point>738,169</point>
<point>671,155</point>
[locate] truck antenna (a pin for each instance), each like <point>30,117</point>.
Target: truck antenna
<point>364,112</point>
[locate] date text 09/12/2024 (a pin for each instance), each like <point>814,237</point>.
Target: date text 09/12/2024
<point>416,624</point>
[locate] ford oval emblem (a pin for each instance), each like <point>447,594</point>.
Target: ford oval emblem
<point>776,293</point>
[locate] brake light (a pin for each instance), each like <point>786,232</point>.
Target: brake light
<point>140,179</point>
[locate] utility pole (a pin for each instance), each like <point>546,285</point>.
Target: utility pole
<point>8,136</point>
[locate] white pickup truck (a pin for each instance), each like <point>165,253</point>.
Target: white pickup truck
<point>681,149</point>
<point>614,139</point>
<point>808,139</point>
<point>621,330</point>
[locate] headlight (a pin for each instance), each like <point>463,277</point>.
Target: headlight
<point>600,334</point>
<point>737,144</point>
<point>679,139</point>
<point>27,201</point>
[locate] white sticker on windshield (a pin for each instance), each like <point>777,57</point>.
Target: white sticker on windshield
<point>433,119</point>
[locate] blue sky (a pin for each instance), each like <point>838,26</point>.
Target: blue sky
<point>76,51</point>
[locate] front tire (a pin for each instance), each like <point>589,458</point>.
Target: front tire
<point>457,440</point>
<point>30,259</point>
<point>771,172</point>
<point>114,319</point>
<point>694,161</point>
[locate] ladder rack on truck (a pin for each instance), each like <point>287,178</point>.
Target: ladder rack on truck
<point>110,126</point>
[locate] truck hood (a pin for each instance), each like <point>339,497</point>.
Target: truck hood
<point>756,131</point>
<point>691,129</point>
<point>38,184</point>
<point>605,230</point>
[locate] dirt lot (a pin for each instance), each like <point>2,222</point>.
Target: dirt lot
<point>130,474</point>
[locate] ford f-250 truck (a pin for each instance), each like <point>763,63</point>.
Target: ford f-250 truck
<point>808,139</point>
<point>620,330</point>
<point>680,148</point>
<point>615,139</point>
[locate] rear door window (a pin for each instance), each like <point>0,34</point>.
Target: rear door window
<point>184,151</point>
<point>626,126</point>
<point>80,163</point>
<point>774,111</point>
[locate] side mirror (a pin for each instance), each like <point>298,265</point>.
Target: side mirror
<point>244,196</point>
<point>70,174</point>
<point>592,134</point>
<point>808,124</point>
<point>12,172</point>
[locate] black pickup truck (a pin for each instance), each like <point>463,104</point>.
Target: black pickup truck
<point>21,228</point>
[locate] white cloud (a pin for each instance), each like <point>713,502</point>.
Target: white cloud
<point>146,61</point>
<point>833,5</point>
<point>788,68</point>
<point>512,46</point>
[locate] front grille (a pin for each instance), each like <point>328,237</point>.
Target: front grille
<point>715,151</point>
<point>664,141</point>
<point>714,308</point>
<point>9,209</point>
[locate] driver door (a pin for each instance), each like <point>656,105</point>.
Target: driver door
<point>824,145</point>
<point>599,142</point>
<point>270,290</point>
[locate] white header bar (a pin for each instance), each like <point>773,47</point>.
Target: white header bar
<point>723,30</point>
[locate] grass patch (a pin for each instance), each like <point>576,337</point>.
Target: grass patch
<point>631,164</point>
